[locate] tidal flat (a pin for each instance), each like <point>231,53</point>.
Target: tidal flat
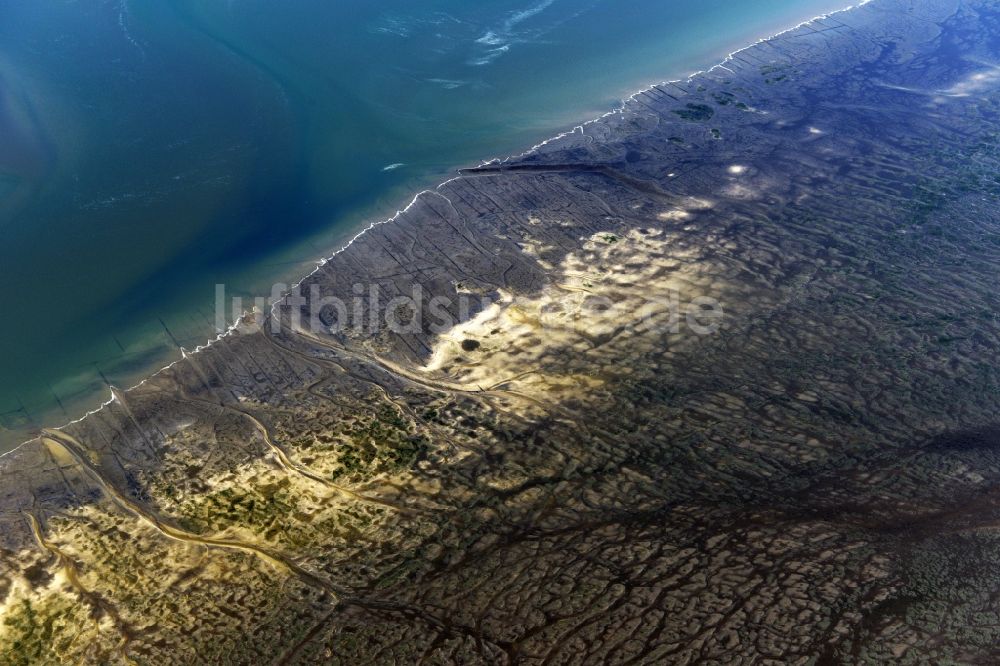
<point>152,152</point>
<point>569,475</point>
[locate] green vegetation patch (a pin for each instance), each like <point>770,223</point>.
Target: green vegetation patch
<point>695,112</point>
<point>256,507</point>
<point>383,443</point>
<point>43,631</point>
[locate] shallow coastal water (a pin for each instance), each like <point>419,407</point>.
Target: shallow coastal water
<point>152,150</point>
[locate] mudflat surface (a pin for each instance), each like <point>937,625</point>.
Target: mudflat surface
<point>568,474</point>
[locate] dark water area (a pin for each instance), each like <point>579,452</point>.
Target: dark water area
<point>151,150</point>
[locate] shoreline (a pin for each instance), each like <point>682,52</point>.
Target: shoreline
<point>817,449</point>
<point>320,263</point>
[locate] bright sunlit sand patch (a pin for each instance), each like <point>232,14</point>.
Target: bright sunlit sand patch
<point>975,83</point>
<point>615,296</point>
<point>535,250</point>
<point>676,215</point>
<point>739,191</point>
<point>21,590</point>
<point>694,203</point>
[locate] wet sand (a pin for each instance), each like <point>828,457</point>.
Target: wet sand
<point>571,474</point>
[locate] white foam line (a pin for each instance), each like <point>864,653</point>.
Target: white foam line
<point>625,102</point>
<point>322,262</point>
<point>232,328</point>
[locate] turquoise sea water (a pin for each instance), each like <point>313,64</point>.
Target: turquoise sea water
<point>150,150</point>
